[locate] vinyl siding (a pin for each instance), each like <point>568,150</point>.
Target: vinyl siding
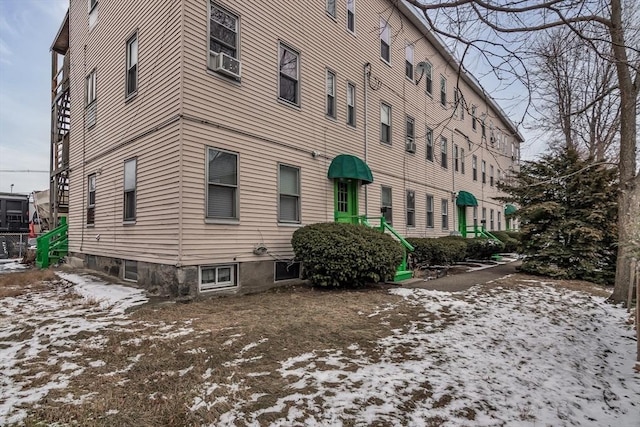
<point>246,117</point>
<point>125,128</point>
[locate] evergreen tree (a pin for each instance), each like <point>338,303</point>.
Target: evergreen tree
<point>568,216</point>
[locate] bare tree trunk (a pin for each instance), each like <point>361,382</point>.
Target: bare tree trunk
<point>629,197</point>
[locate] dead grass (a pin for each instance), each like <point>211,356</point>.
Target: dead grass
<point>145,379</point>
<point>20,283</point>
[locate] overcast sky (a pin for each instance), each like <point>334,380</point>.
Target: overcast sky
<point>27,29</point>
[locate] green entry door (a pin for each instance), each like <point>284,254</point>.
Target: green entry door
<point>462,220</point>
<point>346,201</point>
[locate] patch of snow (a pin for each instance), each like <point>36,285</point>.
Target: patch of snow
<point>183,372</point>
<point>117,298</point>
<point>11,265</point>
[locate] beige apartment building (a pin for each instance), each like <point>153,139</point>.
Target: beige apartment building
<point>195,136</point>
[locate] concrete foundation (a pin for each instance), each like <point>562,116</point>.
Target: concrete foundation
<point>183,282</point>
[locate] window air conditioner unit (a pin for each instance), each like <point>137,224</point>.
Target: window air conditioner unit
<point>411,147</point>
<point>227,65</point>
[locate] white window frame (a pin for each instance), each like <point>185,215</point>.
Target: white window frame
<point>444,152</point>
<point>462,160</point>
<point>330,8</point>
<point>410,217</point>
<point>410,126</point>
<point>443,91</point>
<point>483,170</point>
<point>428,74</point>
<point>409,51</point>
<point>282,48</point>
<point>499,220</point>
<point>429,145</point>
<point>385,40</point>
<point>297,196</point>
<point>236,187</point>
<point>130,189</point>
<point>92,4</point>
<point>216,284</point>
<point>474,118</point>
<point>445,214</point>
<point>491,172</point>
<point>91,194</point>
<point>91,88</point>
<point>351,16</point>
<point>330,90</point>
<point>388,122</point>
<point>430,217</point>
<point>456,157</point>
<point>131,67</point>
<point>386,208</point>
<point>213,5</point>
<point>491,220</point>
<point>474,167</point>
<point>351,104</point>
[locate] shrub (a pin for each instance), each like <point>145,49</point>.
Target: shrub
<point>510,244</point>
<point>483,248</point>
<point>337,254</point>
<point>441,251</point>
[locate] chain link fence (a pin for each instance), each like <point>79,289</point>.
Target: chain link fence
<point>15,245</point>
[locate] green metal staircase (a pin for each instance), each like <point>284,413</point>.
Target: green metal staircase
<point>53,245</point>
<point>402,272</point>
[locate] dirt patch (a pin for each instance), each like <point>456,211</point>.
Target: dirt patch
<point>20,283</point>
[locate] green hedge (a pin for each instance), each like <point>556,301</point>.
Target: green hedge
<point>337,254</point>
<point>440,251</point>
<point>510,244</point>
<point>483,248</point>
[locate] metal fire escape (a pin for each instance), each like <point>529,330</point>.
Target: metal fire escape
<point>60,125</point>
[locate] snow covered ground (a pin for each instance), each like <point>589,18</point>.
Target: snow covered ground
<point>514,353</point>
<point>9,265</point>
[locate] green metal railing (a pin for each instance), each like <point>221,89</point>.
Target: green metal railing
<point>53,245</point>
<point>402,272</point>
<point>481,231</point>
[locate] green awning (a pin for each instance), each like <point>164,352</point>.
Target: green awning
<point>509,209</point>
<point>351,167</point>
<point>466,199</point>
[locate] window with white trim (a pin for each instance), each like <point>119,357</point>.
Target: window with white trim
<point>491,169</point>
<point>484,218</point>
<point>408,60</point>
<point>474,118</point>
<point>499,221</point>
<point>474,167</point>
<point>132,66</point>
<point>91,199</point>
<point>385,123</point>
<point>91,98</point>
<point>130,184</point>
<point>429,144</point>
<point>331,7</point>
<point>330,107</point>
<point>222,184</point>
<point>223,32</point>
<point>475,216</point>
<point>445,214</point>
<point>351,15</point>
<point>92,6</point>
<point>351,104</point>
<point>385,40</point>
<point>429,211</point>
<point>456,158</point>
<point>411,208</point>
<point>443,91</point>
<point>443,153</point>
<point>214,277</point>
<point>289,194</point>
<point>491,219</point>
<point>410,144</point>
<point>386,205</point>
<point>428,78</point>
<point>484,172</point>
<point>462,161</point>
<point>289,81</point>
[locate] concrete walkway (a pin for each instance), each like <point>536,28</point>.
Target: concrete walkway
<point>463,281</point>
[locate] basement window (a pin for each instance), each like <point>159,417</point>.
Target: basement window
<point>214,277</point>
<point>285,270</point>
<point>131,270</point>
